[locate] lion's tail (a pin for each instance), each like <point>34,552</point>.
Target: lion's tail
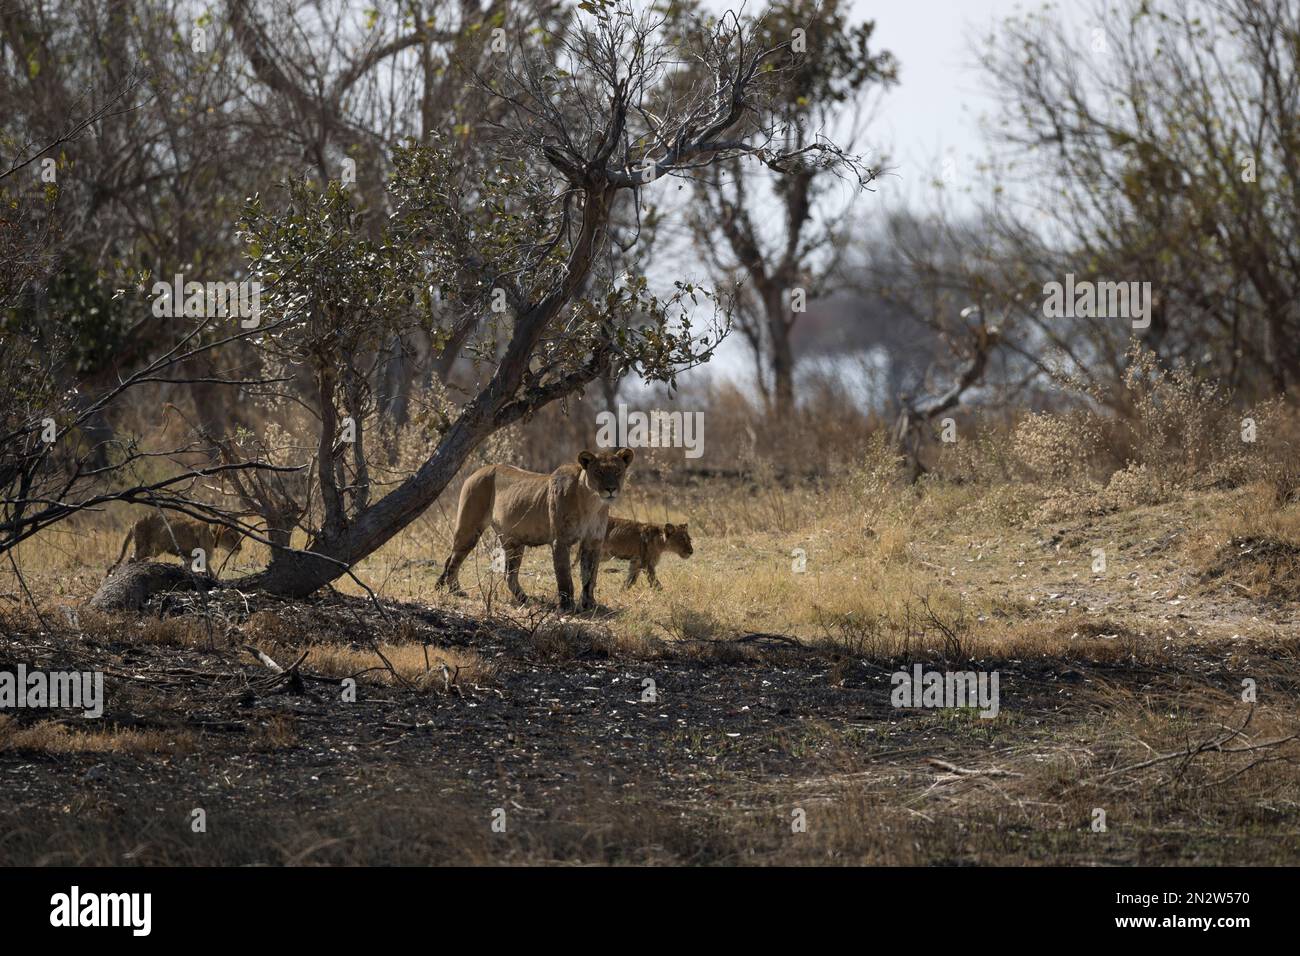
<point>477,496</point>
<point>130,536</point>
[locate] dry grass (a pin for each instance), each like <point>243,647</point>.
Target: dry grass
<point>56,737</point>
<point>426,668</point>
<point>949,572</point>
<point>864,561</point>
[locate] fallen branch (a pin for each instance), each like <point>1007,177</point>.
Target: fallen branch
<point>289,677</point>
<point>1187,755</point>
<point>266,659</point>
<point>968,772</point>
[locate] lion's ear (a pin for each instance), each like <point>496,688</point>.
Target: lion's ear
<point>669,529</point>
<point>585,458</point>
<point>627,455</point>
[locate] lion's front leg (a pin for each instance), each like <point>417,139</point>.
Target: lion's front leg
<point>514,557</point>
<point>563,573</point>
<point>589,556</point>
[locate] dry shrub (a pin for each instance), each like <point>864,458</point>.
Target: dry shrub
<point>892,541</point>
<point>927,629</point>
<point>268,627</point>
<point>986,458</point>
<point>1284,483</point>
<point>562,639</point>
<point>693,624</point>
<point>277,733</point>
<point>413,660</point>
<point>1176,432</point>
<point>426,668</point>
<point>1136,486</point>
<point>178,631</point>
<point>692,635</point>
<point>1178,423</point>
<point>874,637</point>
<point>1057,449</point>
<point>872,481</point>
<point>1058,502</point>
<point>1270,435</point>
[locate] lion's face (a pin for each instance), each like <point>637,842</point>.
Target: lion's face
<point>679,539</point>
<point>604,471</point>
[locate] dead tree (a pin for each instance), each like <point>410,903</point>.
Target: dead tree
<point>917,413</point>
<point>775,239</point>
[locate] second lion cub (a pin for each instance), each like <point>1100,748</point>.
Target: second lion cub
<point>643,545</point>
<point>155,534</point>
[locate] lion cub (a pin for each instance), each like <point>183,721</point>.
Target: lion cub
<point>643,545</point>
<point>155,535</point>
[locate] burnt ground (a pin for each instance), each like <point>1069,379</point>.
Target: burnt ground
<point>552,737</point>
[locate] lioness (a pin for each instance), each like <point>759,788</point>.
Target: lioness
<point>643,545</point>
<point>155,535</point>
<point>569,506</point>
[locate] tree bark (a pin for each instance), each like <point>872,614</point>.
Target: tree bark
<point>782,358</point>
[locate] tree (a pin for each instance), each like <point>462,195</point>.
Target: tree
<point>775,271</point>
<point>225,101</point>
<point>52,464</point>
<point>1166,136</point>
<point>159,120</point>
<point>384,76</point>
<point>513,240</point>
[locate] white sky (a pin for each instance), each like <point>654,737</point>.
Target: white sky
<point>935,111</point>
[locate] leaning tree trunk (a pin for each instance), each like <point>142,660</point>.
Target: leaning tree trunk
<point>299,573</point>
